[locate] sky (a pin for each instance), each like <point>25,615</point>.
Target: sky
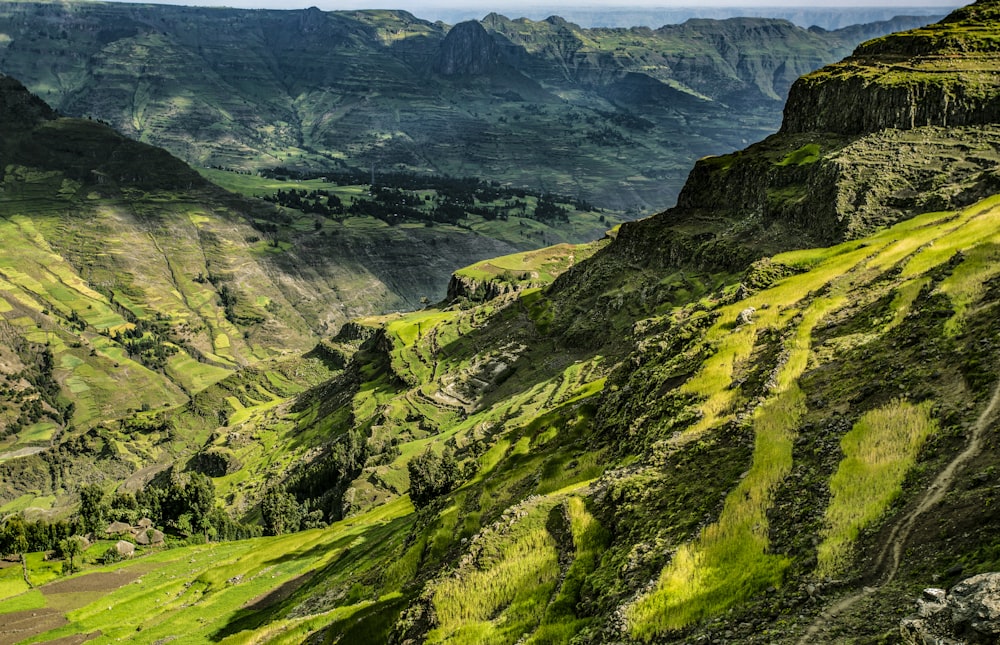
<point>500,5</point>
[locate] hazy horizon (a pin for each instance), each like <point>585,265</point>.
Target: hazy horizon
<point>623,13</point>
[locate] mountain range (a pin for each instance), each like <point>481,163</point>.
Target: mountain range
<point>766,415</point>
<point>611,116</point>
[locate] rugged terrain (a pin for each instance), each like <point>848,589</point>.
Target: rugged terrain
<point>765,415</point>
<point>611,116</point>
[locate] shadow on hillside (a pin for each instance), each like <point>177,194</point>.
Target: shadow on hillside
<point>355,549</point>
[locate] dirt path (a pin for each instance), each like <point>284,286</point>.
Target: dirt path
<point>22,452</point>
<point>890,556</point>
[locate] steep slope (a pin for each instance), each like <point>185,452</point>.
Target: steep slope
<point>706,430</point>
<point>614,117</point>
<point>129,283</point>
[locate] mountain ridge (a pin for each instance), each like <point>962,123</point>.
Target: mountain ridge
<point>297,93</point>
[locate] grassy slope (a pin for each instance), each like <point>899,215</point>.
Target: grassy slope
<point>524,507</point>
<point>519,232</point>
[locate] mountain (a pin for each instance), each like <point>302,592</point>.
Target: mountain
<point>130,283</point>
<point>614,117</point>
<point>653,17</point>
<point>765,415</point>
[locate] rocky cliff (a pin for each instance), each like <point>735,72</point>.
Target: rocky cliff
<point>467,50</point>
<point>942,75</point>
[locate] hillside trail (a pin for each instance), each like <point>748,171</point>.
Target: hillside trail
<point>890,556</point>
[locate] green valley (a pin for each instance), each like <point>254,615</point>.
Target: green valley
<point>766,415</point>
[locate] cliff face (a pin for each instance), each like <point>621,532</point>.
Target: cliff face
<point>941,75</point>
<point>467,50</point>
<point>909,124</point>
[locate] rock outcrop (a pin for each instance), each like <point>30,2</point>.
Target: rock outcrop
<point>906,80</point>
<point>467,50</point>
<point>968,614</point>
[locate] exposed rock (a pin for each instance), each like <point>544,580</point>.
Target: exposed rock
<point>745,317</point>
<point>467,50</point>
<point>968,614</point>
<point>896,81</point>
<point>215,462</point>
<point>461,286</point>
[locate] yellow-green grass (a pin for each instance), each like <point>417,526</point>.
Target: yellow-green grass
<point>967,282</point>
<point>40,570</point>
<point>541,266</point>
<point>729,561</point>
<point>878,451</point>
<point>191,593</point>
<point>12,584</point>
<point>409,328</point>
<point>24,600</point>
<point>807,154</point>
<point>28,501</point>
<point>506,595</point>
<point>939,234</point>
<point>561,622</point>
<point>37,434</point>
<point>975,225</point>
<point>194,375</point>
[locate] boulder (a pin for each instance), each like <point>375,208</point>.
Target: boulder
<point>968,614</point>
<point>746,316</point>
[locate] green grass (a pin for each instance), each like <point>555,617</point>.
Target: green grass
<point>191,593</point>
<point>807,154</point>
<point>506,594</point>
<point>14,590</point>
<point>729,562</point>
<point>878,452</point>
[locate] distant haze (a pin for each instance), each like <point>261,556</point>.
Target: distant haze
<point>631,13</point>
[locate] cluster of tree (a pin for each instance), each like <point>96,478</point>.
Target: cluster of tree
<point>183,503</point>
<point>318,202</point>
<point>458,190</point>
<point>145,347</point>
<point>43,397</point>
<point>608,136</point>
<point>548,210</point>
<point>624,119</point>
<point>18,535</point>
<point>283,513</point>
<point>432,475</point>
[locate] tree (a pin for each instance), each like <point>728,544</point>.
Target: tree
<point>432,475</point>
<point>282,513</point>
<point>199,494</point>
<point>70,548</point>
<point>92,509</point>
<point>12,537</point>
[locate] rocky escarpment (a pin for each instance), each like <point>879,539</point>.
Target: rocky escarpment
<point>467,50</point>
<point>946,74</point>
<point>822,179</point>
<point>461,286</point>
